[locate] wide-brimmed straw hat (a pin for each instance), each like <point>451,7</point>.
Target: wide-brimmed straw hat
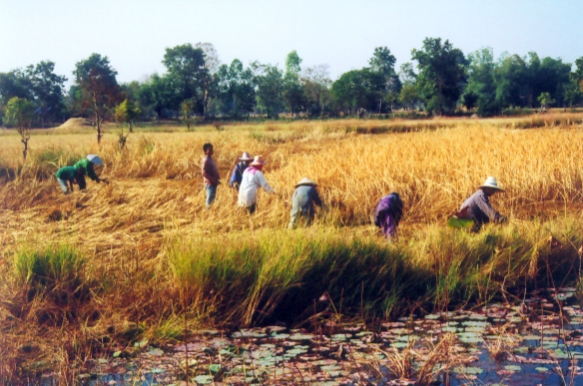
<point>94,159</point>
<point>246,157</point>
<point>258,161</point>
<point>306,181</point>
<point>492,184</point>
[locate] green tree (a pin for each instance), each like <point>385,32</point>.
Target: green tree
<point>269,81</point>
<point>511,77</point>
<point>186,108</point>
<point>211,65</point>
<point>48,89</point>
<point>545,99</point>
<point>316,85</point>
<point>15,83</point>
<point>19,113</point>
<point>409,97</point>
<point>574,90</point>
<point>358,90</point>
<point>481,88</point>
<point>158,93</point>
<point>236,89</point>
<point>126,113</point>
<point>442,74</point>
<point>98,85</point>
<point>188,74</point>
<point>292,86</point>
<point>383,63</point>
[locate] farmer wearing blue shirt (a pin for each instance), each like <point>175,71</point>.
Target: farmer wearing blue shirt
<point>237,173</point>
<point>303,201</point>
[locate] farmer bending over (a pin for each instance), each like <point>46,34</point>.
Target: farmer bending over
<point>388,213</point>
<point>478,207</point>
<point>64,175</point>
<point>303,201</point>
<point>86,167</point>
<point>252,180</point>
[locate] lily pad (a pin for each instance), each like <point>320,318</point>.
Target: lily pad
<point>203,379</point>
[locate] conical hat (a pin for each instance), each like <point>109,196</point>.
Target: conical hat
<point>492,184</point>
<point>306,181</point>
<point>94,159</point>
<point>258,161</point>
<point>246,157</point>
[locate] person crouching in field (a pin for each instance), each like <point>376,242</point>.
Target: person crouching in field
<point>237,173</point>
<point>388,213</point>
<point>64,175</point>
<point>252,180</point>
<point>303,201</point>
<point>86,167</point>
<point>478,207</point>
<point>210,174</point>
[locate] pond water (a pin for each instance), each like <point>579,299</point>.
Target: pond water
<point>537,342</point>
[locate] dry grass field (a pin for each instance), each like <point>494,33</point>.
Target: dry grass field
<point>141,256</point>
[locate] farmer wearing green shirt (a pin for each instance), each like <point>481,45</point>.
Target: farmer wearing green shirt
<point>64,175</point>
<point>86,167</point>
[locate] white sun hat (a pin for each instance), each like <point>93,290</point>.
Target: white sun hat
<point>246,157</point>
<point>492,184</point>
<point>94,159</point>
<point>306,181</point>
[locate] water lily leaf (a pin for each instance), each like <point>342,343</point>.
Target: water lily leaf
<point>157,371</point>
<point>470,370</point>
<point>541,369</point>
<point>512,368</point>
<point>141,344</point>
<point>215,368</point>
<point>300,337</point>
<point>117,354</point>
<point>203,379</point>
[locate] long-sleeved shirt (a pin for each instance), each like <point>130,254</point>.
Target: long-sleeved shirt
<point>66,173</point>
<point>86,167</point>
<point>388,213</point>
<point>252,180</point>
<point>304,199</point>
<point>479,209</point>
<point>209,170</point>
<point>237,174</point>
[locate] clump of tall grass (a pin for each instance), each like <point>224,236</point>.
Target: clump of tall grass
<point>56,271</point>
<point>284,276</point>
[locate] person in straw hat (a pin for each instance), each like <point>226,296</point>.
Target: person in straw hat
<point>388,213</point>
<point>303,201</point>
<point>237,173</point>
<point>252,180</point>
<point>478,207</point>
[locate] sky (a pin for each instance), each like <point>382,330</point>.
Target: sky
<point>134,34</point>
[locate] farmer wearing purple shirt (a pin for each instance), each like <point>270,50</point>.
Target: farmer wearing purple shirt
<point>388,213</point>
<point>478,207</point>
<point>210,174</point>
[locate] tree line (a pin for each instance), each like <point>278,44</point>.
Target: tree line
<point>440,80</point>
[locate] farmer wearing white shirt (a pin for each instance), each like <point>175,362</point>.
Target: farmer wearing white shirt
<point>253,179</point>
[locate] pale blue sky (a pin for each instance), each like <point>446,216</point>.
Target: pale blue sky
<point>342,34</point>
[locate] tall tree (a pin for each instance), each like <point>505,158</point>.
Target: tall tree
<point>48,89</point>
<point>269,81</point>
<point>236,89</point>
<point>211,65</point>
<point>316,84</point>
<point>127,112</point>
<point>383,63</point>
<point>186,68</point>
<point>574,90</point>
<point>512,79</point>
<point>442,74</point>
<point>292,86</point>
<point>98,85</point>
<point>19,113</point>
<point>358,89</point>
<point>158,93</point>
<point>481,88</point>
<point>15,83</point>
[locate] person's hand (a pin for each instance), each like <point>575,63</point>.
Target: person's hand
<point>104,180</point>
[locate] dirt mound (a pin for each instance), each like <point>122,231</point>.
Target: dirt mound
<point>75,123</point>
